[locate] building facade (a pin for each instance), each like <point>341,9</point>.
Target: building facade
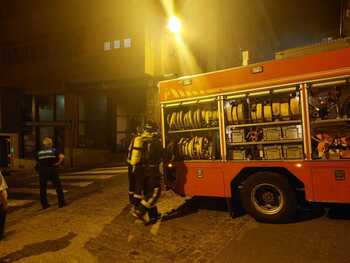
<point>77,73</point>
<point>86,73</point>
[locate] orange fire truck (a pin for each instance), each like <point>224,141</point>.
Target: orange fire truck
<point>265,136</point>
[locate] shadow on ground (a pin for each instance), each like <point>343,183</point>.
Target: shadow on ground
<point>39,248</point>
<point>339,212</point>
<point>192,206</point>
<point>305,212</point>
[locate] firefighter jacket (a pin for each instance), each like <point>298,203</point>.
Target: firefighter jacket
<point>145,150</point>
<point>152,150</point>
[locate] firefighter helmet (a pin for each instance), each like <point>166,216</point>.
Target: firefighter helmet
<point>150,126</point>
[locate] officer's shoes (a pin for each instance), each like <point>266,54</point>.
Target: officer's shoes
<point>45,206</point>
<point>63,204</point>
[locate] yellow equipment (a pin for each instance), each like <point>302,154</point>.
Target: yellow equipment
<point>136,151</point>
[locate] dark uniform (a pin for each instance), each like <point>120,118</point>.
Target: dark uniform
<point>47,171</point>
<point>148,177</point>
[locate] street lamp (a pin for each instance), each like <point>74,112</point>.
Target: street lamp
<point>174,25</point>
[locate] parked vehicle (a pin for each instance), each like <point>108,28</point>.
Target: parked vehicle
<point>265,136</point>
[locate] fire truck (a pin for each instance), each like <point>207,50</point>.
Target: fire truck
<point>265,136</point>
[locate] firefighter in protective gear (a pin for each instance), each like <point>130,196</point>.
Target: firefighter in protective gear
<point>48,160</point>
<point>148,181</point>
<point>133,158</point>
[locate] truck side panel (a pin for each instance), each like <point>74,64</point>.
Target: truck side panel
<point>323,181</point>
<point>201,179</point>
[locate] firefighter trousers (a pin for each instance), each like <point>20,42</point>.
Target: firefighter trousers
<point>139,174</point>
<point>132,183</point>
<point>45,174</point>
<point>150,184</point>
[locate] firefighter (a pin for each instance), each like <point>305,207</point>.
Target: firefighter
<point>148,181</point>
<point>132,160</point>
<point>3,205</point>
<point>48,160</point>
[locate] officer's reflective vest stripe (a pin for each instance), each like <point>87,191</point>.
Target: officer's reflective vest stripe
<point>46,154</point>
<point>136,151</point>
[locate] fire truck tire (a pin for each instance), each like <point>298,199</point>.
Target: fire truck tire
<point>269,197</point>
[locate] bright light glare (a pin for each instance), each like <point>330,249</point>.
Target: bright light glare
<point>174,24</point>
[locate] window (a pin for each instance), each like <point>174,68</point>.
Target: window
<point>28,110</point>
<point>107,46</point>
<point>46,108</point>
<point>29,142</point>
<point>126,124</point>
<point>127,42</point>
<point>60,102</point>
<point>49,109</point>
<point>116,44</point>
<point>93,122</point>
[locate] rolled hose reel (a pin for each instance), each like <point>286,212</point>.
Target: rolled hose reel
<point>198,147</point>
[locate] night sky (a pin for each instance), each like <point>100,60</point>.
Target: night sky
<point>215,30</point>
<point>263,27</point>
<point>299,22</point>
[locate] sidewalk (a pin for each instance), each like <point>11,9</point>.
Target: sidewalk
<point>25,174</point>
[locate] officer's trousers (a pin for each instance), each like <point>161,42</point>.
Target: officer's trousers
<point>45,174</point>
<point>2,221</point>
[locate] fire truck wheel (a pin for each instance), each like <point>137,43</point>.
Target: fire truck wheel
<point>269,198</point>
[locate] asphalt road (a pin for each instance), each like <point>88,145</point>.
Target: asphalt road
<point>96,226</point>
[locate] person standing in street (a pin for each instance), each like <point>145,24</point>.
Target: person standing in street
<point>48,160</point>
<point>148,181</point>
<point>3,204</point>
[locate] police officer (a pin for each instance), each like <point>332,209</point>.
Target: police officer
<point>3,205</point>
<point>48,160</point>
<point>132,160</point>
<point>148,181</point>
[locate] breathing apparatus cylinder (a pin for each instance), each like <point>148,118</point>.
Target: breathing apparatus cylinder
<point>136,151</point>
